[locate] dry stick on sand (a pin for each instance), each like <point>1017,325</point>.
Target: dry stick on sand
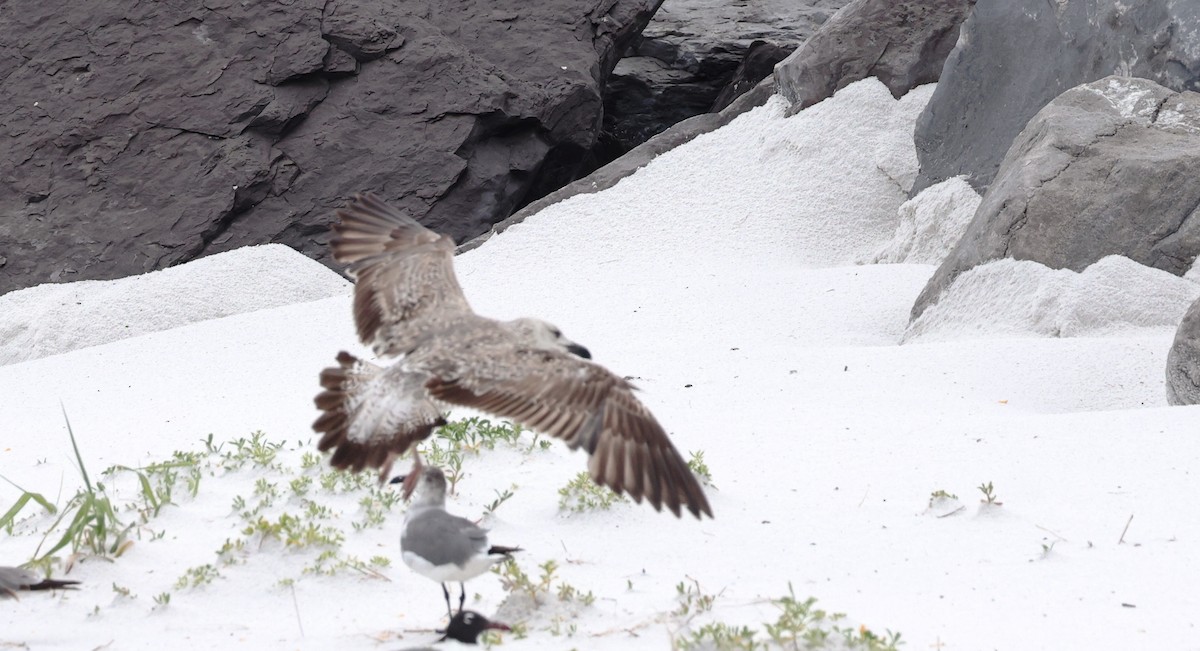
<point>1126,529</point>
<point>1052,533</point>
<point>946,515</point>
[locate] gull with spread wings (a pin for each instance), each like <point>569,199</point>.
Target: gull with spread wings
<point>408,304</point>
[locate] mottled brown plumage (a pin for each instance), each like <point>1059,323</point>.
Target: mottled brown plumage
<point>408,303</point>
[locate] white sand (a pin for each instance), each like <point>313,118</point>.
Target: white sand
<point>930,224</point>
<point>55,318</point>
<point>722,276</point>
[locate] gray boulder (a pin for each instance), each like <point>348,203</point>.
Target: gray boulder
<point>903,43</point>
<point>1109,167</point>
<point>142,134</point>
<point>1183,361</point>
<point>687,58</point>
<point>1016,55</point>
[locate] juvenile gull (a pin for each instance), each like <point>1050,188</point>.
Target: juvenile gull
<point>13,579</point>
<point>441,546</point>
<point>408,304</point>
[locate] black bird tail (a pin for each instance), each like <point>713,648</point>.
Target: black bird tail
<point>53,584</point>
<point>500,549</point>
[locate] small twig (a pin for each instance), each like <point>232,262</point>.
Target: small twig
<point>1126,529</point>
<point>296,606</point>
<point>1052,533</point>
<point>865,494</point>
<point>946,515</point>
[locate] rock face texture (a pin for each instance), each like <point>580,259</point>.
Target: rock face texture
<point>902,43</point>
<point>691,52</point>
<point>1183,361</point>
<point>608,175</point>
<point>1016,55</point>
<point>1109,167</point>
<point>142,134</point>
<point>757,64</point>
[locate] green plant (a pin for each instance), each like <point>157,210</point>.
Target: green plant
<point>229,552</point>
<point>940,495</point>
<point>476,433</point>
<point>256,450</point>
<point>336,481</point>
<point>8,520</point>
<point>583,494</point>
<point>94,528</point>
<point>800,625</point>
<point>294,531</point>
<point>157,482</point>
<point>300,485</point>
<point>692,599</point>
<point>514,580</point>
<point>501,497</point>
<point>556,627</point>
<point>989,494</point>
<point>568,592</point>
<point>122,591</point>
<point>700,468</point>
<point>800,621</point>
<point>332,561</point>
<point>309,459</point>
<point>197,576</point>
<point>721,636</point>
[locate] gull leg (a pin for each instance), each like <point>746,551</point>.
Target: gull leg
<point>446,592</point>
<point>462,596</point>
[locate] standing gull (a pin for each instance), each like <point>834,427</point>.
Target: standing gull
<point>408,304</point>
<point>13,579</point>
<point>441,546</point>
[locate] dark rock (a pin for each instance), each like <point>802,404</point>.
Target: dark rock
<point>1183,361</point>
<point>1017,55</point>
<point>903,43</point>
<point>690,53</point>
<point>1107,168</point>
<point>608,175</point>
<point>756,66</point>
<point>142,134</point>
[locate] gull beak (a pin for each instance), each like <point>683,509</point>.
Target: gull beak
<point>579,351</point>
<point>409,481</point>
<point>497,626</point>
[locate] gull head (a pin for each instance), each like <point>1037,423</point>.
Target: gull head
<point>467,625</point>
<point>429,482</point>
<point>547,335</point>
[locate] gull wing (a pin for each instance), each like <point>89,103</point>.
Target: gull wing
<point>587,407</point>
<point>404,272</point>
<point>442,539</point>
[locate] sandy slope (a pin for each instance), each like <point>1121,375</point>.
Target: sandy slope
<point>721,277</point>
